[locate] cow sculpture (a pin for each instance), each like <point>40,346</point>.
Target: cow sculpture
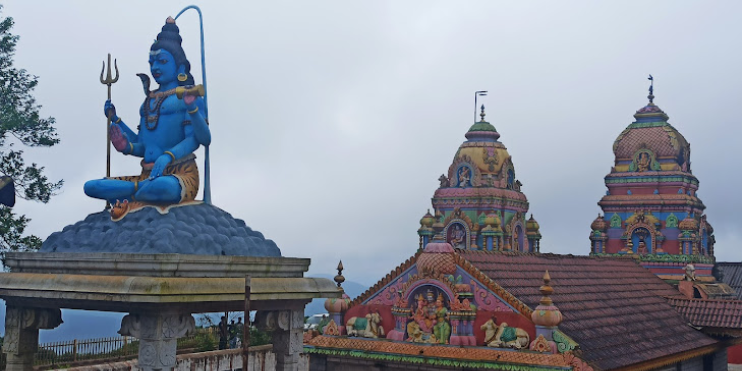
<point>367,327</point>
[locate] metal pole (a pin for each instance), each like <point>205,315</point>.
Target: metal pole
<point>207,161</point>
<point>246,326</point>
<point>476,95</point>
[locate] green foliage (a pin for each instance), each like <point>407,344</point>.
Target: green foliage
<point>258,337</point>
<point>20,121</point>
<point>205,341</point>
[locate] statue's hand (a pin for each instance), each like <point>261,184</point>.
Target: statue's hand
<point>190,100</point>
<point>160,165</point>
<point>109,110</point>
<point>118,138</point>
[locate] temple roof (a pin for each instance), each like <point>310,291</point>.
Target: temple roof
<point>615,309</point>
<point>731,274</point>
<point>726,314</point>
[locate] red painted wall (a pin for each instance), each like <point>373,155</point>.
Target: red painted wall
<point>734,354</point>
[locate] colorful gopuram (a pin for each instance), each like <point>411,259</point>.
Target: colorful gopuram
<point>652,207</point>
<point>479,204</point>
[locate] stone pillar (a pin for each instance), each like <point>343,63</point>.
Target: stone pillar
<point>157,333</point>
<point>22,334</point>
<point>287,327</point>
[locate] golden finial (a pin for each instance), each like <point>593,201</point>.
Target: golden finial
<point>339,278</point>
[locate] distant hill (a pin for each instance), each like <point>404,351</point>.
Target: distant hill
<point>317,306</point>
<point>78,324</point>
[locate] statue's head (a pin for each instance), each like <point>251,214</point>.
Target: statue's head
<point>167,58</point>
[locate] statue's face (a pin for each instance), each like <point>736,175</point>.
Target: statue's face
<point>162,66</point>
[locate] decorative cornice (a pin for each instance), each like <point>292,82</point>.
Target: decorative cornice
<point>661,258</point>
<point>385,281</point>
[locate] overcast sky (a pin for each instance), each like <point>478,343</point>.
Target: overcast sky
<point>332,120</point>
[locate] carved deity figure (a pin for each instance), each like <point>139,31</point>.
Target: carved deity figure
<point>642,248</point>
<point>442,328</point>
<point>504,336</point>
<point>642,162</point>
<point>458,237</point>
<point>171,126</point>
<point>421,316</point>
<point>464,176</point>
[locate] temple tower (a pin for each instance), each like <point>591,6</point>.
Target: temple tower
<point>479,204</point>
<point>652,207</point>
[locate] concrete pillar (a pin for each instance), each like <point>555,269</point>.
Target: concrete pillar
<point>287,327</point>
<point>22,334</point>
<point>158,333</point>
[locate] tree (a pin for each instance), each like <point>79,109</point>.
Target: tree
<point>20,123</point>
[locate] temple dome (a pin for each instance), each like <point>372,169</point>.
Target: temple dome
<point>479,203</point>
<point>483,162</point>
<point>492,220</point>
<point>666,149</point>
<point>532,225</point>
<point>688,224</point>
<point>599,224</point>
<point>427,220</point>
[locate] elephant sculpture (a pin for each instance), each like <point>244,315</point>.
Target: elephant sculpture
<point>367,327</point>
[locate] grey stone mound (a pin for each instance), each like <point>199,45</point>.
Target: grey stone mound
<point>195,229</point>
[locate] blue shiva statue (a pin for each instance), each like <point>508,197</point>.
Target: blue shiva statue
<point>171,127</point>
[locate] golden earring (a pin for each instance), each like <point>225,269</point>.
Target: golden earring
<point>182,77</point>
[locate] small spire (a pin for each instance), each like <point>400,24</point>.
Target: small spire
<point>339,278</point>
<point>482,114</point>
<point>651,90</point>
<point>546,290</point>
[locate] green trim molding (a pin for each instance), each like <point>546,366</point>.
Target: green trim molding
<point>431,361</point>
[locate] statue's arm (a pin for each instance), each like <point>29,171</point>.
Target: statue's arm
<point>201,130</point>
<point>187,145</point>
<point>130,134</point>
<point>136,148</point>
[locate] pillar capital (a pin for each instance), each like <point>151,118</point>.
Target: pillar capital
<point>157,333</point>
<point>22,326</point>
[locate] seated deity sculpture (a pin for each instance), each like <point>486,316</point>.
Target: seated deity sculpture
<point>172,125</point>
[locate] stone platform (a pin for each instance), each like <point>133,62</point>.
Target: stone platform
<point>160,292</point>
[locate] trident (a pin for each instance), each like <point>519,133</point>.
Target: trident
<point>108,81</point>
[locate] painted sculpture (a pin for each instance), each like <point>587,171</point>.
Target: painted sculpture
<point>504,336</point>
<point>367,327</point>
<point>172,125</point>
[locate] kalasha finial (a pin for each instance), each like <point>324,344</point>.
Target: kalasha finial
<point>339,278</point>
<point>482,114</point>
<point>546,290</point>
<point>651,89</point>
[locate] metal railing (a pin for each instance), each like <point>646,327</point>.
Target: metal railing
<point>70,352</point>
<point>90,351</point>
